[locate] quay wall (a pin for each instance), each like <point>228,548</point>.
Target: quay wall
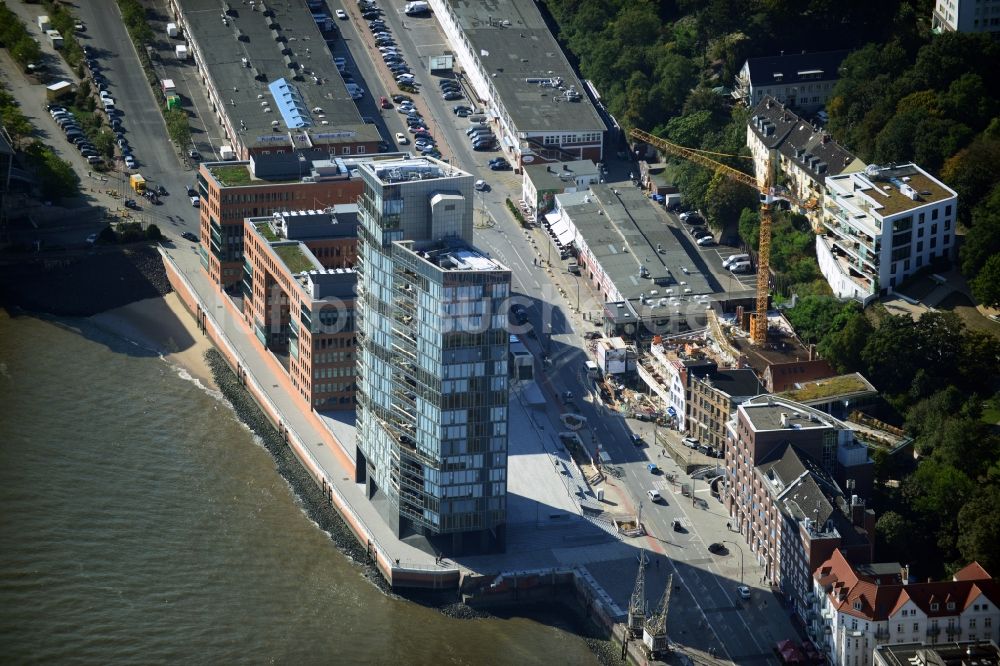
<point>397,576</point>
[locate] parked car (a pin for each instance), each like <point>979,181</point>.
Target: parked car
<point>733,258</point>
<point>196,202</point>
<point>740,267</point>
<point>484,145</point>
<point>451,96</point>
<point>187,235</point>
<point>705,241</point>
<point>130,162</point>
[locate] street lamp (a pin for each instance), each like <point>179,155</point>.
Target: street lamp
<point>577,289</point>
<point>741,556</point>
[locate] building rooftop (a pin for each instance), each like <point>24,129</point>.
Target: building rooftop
<point>402,170</point>
<point>296,256</point>
<point>734,383</point>
<point>774,413</point>
<point>796,68</point>
<point>525,64</point>
<point>882,192</point>
<point>275,74</point>
<point>841,387</point>
<point>966,653</point>
<point>558,176</point>
<point>630,238</point>
<point>452,254</point>
<point>810,148</point>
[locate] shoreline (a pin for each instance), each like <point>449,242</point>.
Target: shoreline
<point>163,325</point>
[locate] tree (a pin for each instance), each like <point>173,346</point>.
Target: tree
<point>813,316</point>
<point>983,239</point>
<point>986,285</point>
<point>750,227</point>
<point>726,201</point>
<point>886,354</point>
<point>979,528</point>
<point>937,492</point>
<point>971,174</point>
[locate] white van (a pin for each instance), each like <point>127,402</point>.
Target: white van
<point>740,267</point>
<point>733,258</point>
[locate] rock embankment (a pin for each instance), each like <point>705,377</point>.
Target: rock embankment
<point>306,491</point>
<point>82,284</point>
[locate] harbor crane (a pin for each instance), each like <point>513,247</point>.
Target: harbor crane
<point>758,320</point>
<point>655,632</point>
<point>637,604</point>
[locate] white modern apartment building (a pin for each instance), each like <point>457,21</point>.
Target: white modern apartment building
<point>432,366</point>
<point>860,607</point>
<point>881,226</point>
<point>966,16</point>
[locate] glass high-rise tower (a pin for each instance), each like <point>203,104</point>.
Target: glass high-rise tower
<point>432,362</point>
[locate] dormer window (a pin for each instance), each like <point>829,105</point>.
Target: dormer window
<point>934,606</point>
<point>857,605</point>
<point>951,605</point>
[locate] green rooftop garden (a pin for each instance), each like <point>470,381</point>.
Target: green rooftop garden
<point>265,230</point>
<point>230,176</point>
<point>827,388</point>
<point>293,257</point>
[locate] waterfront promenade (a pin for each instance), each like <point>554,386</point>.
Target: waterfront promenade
<point>545,487</point>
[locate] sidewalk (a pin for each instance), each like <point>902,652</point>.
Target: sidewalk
<point>331,465</point>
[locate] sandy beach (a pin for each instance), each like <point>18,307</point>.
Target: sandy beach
<point>165,325</point>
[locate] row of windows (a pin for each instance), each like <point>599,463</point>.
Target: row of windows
<point>563,139</point>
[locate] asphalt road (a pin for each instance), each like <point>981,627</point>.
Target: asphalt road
<point>145,130</point>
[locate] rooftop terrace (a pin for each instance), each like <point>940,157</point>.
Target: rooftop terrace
<point>776,414</point>
<point>413,169</point>
<point>887,191</point>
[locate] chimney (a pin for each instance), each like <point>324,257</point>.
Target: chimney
<point>784,420</point>
<point>904,574</point>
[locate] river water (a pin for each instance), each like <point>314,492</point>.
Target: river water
<point>141,521</point>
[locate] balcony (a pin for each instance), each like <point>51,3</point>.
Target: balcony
<point>882,634</point>
<point>953,632</point>
<point>933,631</point>
<point>864,277</point>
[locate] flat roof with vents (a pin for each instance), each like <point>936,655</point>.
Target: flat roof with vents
<point>523,59</point>
<point>281,46</point>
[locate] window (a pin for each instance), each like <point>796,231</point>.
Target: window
<point>916,626</point>
<point>935,606</point>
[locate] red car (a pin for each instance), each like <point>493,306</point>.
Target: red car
<point>384,103</point>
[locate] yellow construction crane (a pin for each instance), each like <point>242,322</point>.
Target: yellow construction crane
<point>758,320</point>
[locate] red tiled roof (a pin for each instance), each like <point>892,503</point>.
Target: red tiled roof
<point>972,571</point>
<point>863,598</point>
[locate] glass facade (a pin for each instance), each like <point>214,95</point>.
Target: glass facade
<point>432,398</point>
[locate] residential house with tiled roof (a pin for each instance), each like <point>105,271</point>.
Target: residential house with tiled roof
<point>857,608</point>
<point>795,154</point>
